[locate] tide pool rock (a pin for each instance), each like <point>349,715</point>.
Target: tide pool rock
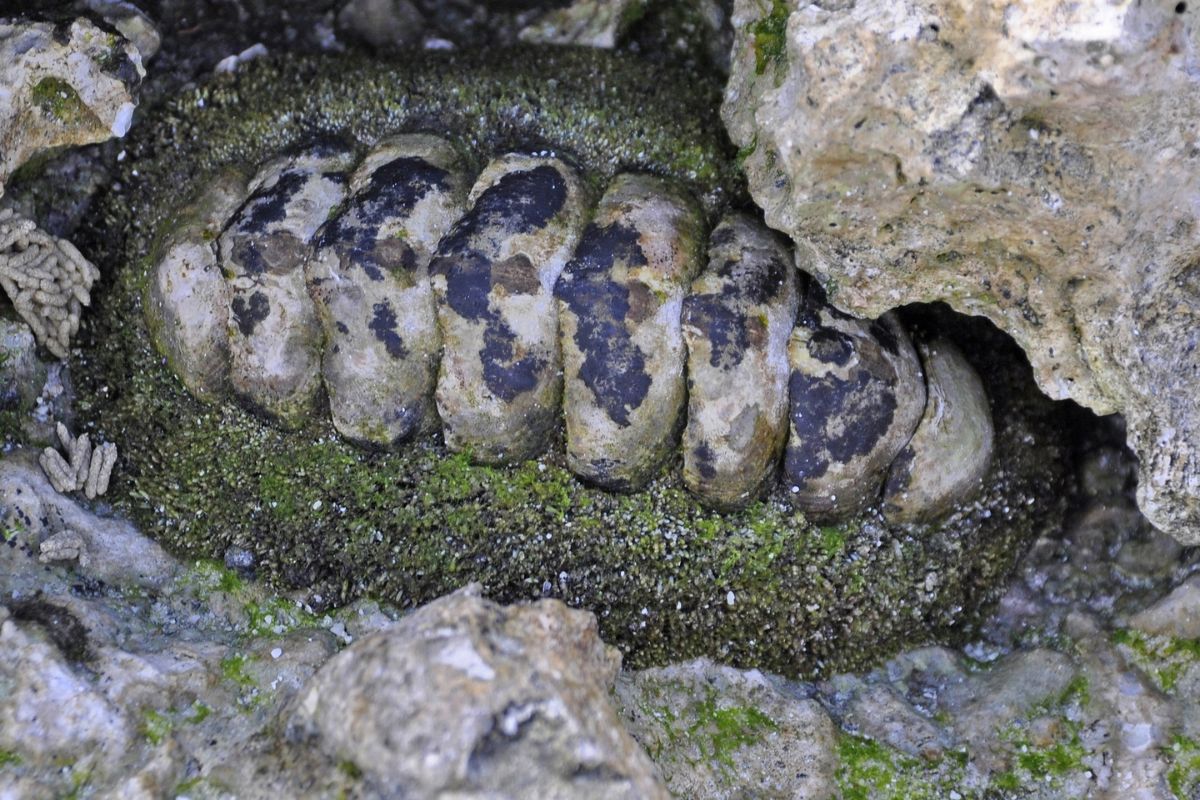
<point>945,461</point>
<point>369,278</point>
<point>620,301</point>
<point>500,380</point>
<point>187,299</point>
<point>856,395</point>
<point>736,323</point>
<point>274,336</point>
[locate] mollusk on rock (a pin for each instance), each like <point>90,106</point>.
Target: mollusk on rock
<point>408,300</point>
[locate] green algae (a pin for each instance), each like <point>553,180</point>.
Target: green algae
<point>58,99</point>
<point>868,770</point>
<point>1162,658</point>
<point>667,579</point>
<point>770,36</point>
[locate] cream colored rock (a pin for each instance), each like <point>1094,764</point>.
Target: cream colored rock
<point>1032,162</point>
<point>369,277</point>
<point>187,298</point>
<point>500,380</point>
<point>275,339</point>
<point>946,459</point>
<point>620,301</point>
<point>62,86</point>
<point>856,395</point>
<point>737,319</point>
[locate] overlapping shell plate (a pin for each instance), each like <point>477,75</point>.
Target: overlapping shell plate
<point>413,297</point>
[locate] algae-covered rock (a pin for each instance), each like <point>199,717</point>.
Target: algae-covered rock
<point>369,276</point>
<point>950,451</point>
<point>736,322</point>
<point>620,301</point>
<point>667,577</point>
<point>274,335</point>
<point>500,380</point>
<point>856,393</point>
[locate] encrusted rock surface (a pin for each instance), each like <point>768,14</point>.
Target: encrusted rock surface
<point>470,698</point>
<point>62,86</point>
<point>1034,163</point>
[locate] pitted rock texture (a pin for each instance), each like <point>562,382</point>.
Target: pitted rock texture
<point>1033,163</point>
<point>62,85</point>
<point>470,699</point>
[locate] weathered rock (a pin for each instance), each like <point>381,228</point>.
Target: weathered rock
<point>187,298</point>
<point>274,335</point>
<point>588,23</point>
<point>736,323</point>
<point>1029,163</point>
<point>130,21</point>
<point>945,461</point>
<point>369,276</point>
<point>108,549</point>
<point>719,732</point>
<point>386,25</point>
<point>49,711</point>
<point>856,395</point>
<point>1177,614</point>
<point>500,381</point>
<point>62,86</point>
<point>467,697</point>
<point>620,301</point>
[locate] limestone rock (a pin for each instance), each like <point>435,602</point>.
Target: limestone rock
<point>108,549</point>
<point>187,298</point>
<point>386,25</point>
<point>1033,163</point>
<point>620,303</point>
<point>500,381</point>
<point>465,696</point>
<point>949,453</point>
<point>856,395</point>
<point>736,323</point>
<point>61,87</point>
<point>720,732</point>
<point>588,23</point>
<point>274,337</point>
<point>369,276</point>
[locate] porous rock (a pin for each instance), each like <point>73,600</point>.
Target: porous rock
<point>1033,163</point>
<point>369,278</point>
<point>856,394</point>
<point>500,380</point>
<point>719,732</point>
<point>736,323</point>
<point>61,86</point>
<point>484,701</point>
<point>949,453</point>
<point>620,305</point>
<point>275,338</point>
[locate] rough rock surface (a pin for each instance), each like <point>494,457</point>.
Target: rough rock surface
<point>1034,163</point>
<point>745,736</point>
<point>62,87</point>
<point>467,697</point>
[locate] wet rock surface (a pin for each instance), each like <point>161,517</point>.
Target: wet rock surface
<point>1030,164</point>
<point>144,673</point>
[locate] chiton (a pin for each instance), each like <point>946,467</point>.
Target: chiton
<point>496,281</point>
